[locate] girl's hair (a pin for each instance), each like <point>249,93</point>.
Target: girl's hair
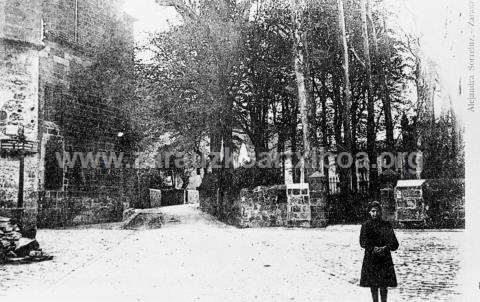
<point>375,204</point>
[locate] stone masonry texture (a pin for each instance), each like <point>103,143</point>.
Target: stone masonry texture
<point>268,206</point>
<point>259,207</point>
<point>40,42</point>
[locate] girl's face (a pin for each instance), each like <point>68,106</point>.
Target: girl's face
<point>374,213</point>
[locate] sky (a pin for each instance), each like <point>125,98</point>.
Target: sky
<point>441,41</point>
<point>150,17</point>
<point>429,17</point>
<point>442,24</point>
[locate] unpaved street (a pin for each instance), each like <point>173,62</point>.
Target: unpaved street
<point>200,259</point>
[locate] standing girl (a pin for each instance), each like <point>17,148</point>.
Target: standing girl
<point>378,239</point>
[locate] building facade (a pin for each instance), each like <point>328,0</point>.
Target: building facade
<point>41,41</point>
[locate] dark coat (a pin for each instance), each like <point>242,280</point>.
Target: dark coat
<point>378,270</point>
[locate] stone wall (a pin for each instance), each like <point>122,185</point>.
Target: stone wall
<point>318,200</point>
<point>90,129</point>
<point>292,205</point>
<point>73,31</point>
<point>298,208</point>
<point>436,203</point>
<point>263,207</point>
<point>259,207</point>
<point>20,20</point>
<point>18,106</point>
<point>20,39</point>
<point>62,209</point>
<point>81,132</point>
<point>40,42</point>
<point>83,23</point>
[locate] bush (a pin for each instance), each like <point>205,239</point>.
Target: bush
<point>445,199</point>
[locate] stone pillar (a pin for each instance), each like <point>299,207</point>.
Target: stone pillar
<point>318,200</point>
<point>298,205</point>
<point>387,181</point>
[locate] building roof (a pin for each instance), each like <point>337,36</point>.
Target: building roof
<point>410,183</point>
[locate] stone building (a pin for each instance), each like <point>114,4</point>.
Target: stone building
<point>40,42</point>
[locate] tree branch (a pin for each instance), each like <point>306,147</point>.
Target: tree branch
<point>357,57</point>
<point>181,7</point>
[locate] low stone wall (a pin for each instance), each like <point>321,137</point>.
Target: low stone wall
<point>436,203</point>
<point>62,209</point>
<point>263,207</point>
<point>258,207</point>
<point>294,205</point>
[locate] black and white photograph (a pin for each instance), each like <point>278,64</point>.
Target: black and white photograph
<point>239,150</point>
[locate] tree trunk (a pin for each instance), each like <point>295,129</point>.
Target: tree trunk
<point>338,112</point>
<point>322,95</point>
<point>313,114</point>
<point>299,65</point>
<point>371,135</point>
<point>260,148</point>
<point>323,100</point>
<point>310,87</point>
<point>323,116</point>
<point>294,149</point>
<point>386,100</point>
<point>281,151</point>
<point>348,93</point>
<point>355,119</point>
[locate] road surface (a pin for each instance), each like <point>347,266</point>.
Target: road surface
<point>200,259</point>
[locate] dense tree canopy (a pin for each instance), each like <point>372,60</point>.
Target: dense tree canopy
<point>228,73</point>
